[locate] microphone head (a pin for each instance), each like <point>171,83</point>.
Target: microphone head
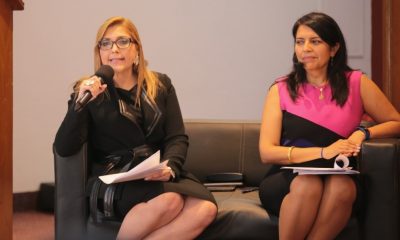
<point>106,73</point>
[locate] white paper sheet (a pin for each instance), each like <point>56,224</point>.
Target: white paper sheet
<point>320,171</point>
<point>150,165</point>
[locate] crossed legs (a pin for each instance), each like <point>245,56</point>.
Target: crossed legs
<point>167,216</point>
<point>316,208</point>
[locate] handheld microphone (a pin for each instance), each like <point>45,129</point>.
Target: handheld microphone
<point>106,74</point>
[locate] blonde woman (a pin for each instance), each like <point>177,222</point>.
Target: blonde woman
<point>136,112</point>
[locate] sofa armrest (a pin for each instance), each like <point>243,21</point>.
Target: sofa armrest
<point>70,205</point>
<point>379,166</point>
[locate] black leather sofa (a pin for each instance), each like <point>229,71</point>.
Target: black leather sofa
<point>220,147</point>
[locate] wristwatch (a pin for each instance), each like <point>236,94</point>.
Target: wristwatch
<point>365,131</point>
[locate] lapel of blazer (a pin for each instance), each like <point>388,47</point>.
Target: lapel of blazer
<point>151,113</point>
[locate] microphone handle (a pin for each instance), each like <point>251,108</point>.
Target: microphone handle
<point>87,95</point>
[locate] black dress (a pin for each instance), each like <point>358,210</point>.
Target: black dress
<point>113,123</point>
<point>312,121</point>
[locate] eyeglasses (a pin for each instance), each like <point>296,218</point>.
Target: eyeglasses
<point>107,44</point>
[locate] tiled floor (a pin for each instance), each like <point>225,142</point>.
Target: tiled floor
<point>33,225</point>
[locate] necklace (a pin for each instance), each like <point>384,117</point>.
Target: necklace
<point>321,91</point>
<point>321,94</point>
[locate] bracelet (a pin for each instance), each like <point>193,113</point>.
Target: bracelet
<point>322,153</point>
<point>289,154</point>
<point>365,131</point>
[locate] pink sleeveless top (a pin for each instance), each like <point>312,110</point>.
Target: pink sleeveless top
<point>325,112</point>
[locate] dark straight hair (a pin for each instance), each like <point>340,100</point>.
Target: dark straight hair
<point>328,30</point>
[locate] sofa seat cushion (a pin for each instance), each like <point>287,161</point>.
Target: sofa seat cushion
<point>241,216</point>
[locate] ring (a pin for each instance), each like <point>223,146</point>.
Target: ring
<point>89,83</point>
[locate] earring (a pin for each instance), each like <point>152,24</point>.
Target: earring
<point>331,61</point>
<point>136,61</point>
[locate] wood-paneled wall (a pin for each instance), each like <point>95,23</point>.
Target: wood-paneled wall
<point>386,48</point>
<point>6,97</point>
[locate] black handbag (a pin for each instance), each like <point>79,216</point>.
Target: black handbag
<point>117,162</point>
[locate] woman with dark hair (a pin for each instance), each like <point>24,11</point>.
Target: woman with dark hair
<point>135,114</point>
<point>311,116</point>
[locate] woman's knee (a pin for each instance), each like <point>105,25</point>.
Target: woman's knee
<point>342,189</point>
<point>205,211</point>
<point>210,211</point>
<point>168,203</point>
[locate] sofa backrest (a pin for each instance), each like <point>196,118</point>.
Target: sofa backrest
<point>218,147</point>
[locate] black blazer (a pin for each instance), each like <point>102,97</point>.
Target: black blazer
<point>107,129</point>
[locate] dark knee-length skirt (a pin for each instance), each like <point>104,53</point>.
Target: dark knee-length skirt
<point>135,192</point>
<point>130,193</point>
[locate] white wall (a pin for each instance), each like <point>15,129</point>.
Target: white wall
<point>221,55</point>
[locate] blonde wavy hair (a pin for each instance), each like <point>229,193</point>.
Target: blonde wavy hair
<point>144,75</point>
